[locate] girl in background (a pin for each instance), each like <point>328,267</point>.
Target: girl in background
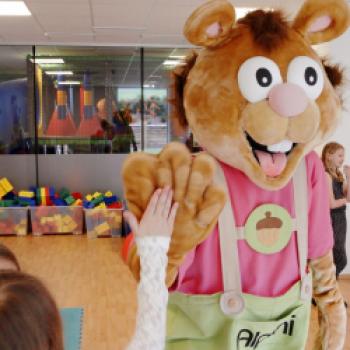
<point>339,194</point>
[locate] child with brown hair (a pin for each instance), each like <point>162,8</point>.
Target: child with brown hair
<point>339,194</point>
<point>8,260</point>
<point>29,318</point>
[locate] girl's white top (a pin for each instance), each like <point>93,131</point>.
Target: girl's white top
<point>152,294</point>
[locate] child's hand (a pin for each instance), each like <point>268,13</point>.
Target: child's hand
<point>343,201</point>
<point>346,170</point>
<point>158,218</point>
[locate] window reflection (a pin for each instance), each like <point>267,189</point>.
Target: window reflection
<point>79,110</point>
<point>16,132</point>
<point>86,99</point>
<point>157,85</point>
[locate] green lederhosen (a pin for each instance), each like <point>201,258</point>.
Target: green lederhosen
<point>236,321</point>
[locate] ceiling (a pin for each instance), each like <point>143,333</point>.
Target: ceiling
<point>105,37</point>
<point>111,22</point>
<point>108,66</point>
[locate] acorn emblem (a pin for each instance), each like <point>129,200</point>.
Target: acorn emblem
<point>268,230</point>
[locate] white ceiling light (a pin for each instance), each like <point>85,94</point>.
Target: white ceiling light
<point>69,82</point>
<point>14,8</point>
<point>173,63</point>
<point>177,57</point>
<point>47,60</point>
<point>59,72</point>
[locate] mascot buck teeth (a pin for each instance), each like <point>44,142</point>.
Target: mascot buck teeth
<point>252,240</point>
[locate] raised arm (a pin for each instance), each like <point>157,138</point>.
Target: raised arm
<point>152,240</point>
<point>346,184</point>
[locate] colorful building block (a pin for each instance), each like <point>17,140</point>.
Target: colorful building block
<point>102,206</point>
<point>26,194</point>
<point>78,202</point>
<point>25,202</point>
<point>97,200</point>
<point>5,187</point>
<point>69,200</point>
<point>77,195</point>
<point>110,199</point>
<point>102,229</point>
<point>10,195</point>
<point>64,193</point>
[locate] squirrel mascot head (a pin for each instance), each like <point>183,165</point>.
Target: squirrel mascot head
<point>257,96</point>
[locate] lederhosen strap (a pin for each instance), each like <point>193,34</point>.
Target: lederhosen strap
<point>301,206</point>
<point>232,302</point>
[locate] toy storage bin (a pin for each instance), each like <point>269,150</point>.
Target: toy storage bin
<point>103,222</point>
<point>56,220</point>
<point>14,221</point>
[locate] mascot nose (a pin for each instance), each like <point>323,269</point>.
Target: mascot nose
<point>288,100</point>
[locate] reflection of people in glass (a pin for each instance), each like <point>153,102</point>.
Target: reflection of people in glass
<point>17,136</point>
<point>153,108</point>
<point>120,132</point>
<point>124,135</point>
<point>102,109</point>
<point>128,114</point>
<point>107,129</point>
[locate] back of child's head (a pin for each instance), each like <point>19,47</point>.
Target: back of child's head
<point>29,318</point>
<point>8,260</point>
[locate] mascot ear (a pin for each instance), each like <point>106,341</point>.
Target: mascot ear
<point>322,20</point>
<point>210,24</point>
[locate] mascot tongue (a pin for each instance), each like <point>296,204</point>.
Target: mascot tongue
<point>272,164</point>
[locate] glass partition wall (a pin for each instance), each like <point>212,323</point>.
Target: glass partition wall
<point>158,64</point>
<point>17,126</point>
<point>16,101</point>
<point>60,106</point>
<point>79,110</point>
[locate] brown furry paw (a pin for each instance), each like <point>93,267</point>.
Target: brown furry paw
<point>191,178</point>
<point>139,177</point>
<point>200,201</point>
<point>332,314</point>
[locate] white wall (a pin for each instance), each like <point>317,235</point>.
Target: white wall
<point>19,169</point>
<point>78,172</point>
<point>82,172</point>
<point>340,53</point>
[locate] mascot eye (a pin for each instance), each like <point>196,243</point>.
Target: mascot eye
<point>308,74</point>
<point>263,77</point>
<point>257,76</point>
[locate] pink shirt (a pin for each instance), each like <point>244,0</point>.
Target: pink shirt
<point>262,275</point>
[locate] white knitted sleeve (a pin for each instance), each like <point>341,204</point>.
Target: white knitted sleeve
<point>152,294</point>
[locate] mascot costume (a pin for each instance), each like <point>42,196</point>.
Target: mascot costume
<point>252,240</point>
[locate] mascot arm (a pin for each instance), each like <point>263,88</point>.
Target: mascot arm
<point>200,201</point>
<point>332,313</point>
